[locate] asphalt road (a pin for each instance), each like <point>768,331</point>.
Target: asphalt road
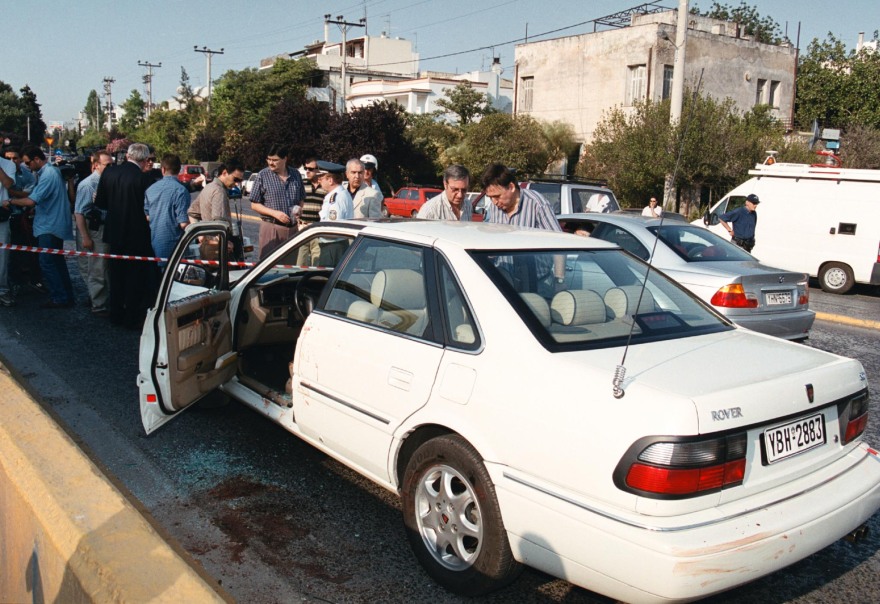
<point>274,520</point>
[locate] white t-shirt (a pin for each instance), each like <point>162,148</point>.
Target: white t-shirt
<point>647,211</point>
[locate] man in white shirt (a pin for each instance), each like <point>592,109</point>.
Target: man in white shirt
<point>450,204</point>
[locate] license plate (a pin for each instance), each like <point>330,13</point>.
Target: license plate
<point>794,437</point>
<point>773,298</point>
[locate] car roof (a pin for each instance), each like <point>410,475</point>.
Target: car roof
<point>477,235</point>
<point>625,219</point>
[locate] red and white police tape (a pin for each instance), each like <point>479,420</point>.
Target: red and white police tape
<point>46,250</point>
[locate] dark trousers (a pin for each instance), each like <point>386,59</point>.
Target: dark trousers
<point>54,267</point>
<point>133,288</point>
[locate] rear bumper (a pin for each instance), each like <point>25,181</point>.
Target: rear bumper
<point>679,559</point>
<point>787,325</point>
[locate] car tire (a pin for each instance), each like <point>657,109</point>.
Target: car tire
<point>385,212</point>
<point>414,213</point>
<point>836,278</point>
<point>452,518</point>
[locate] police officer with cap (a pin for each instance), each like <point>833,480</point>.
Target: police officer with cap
<point>371,165</point>
<point>743,219</point>
<point>338,203</point>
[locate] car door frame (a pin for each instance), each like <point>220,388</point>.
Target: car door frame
<point>162,374</point>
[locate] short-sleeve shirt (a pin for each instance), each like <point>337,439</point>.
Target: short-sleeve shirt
<point>337,205</point>
<point>743,221</point>
<point>276,194</point>
<point>85,193</point>
<point>52,216</point>
<point>166,203</point>
<point>534,211</point>
<point>439,208</point>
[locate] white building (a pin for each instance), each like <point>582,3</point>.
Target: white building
<point>577,78</point>
<point>420,95</point>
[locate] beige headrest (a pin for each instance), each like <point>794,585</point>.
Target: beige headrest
<point>539,306</point>
<point>577,307</point>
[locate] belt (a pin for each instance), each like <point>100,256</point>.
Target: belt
<point>275,221</point>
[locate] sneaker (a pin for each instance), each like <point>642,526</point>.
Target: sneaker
<point>38,287</point>
<point>7,300</point>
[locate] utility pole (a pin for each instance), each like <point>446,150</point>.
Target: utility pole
<point>677,96</point>
<point>148,83</point>
<point>343,26</point>
<point>208,54</point>
<point>108,83</point>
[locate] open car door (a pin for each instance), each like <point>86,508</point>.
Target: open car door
<point>186,344</point>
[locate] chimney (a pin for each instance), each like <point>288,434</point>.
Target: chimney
<point>861,41</point>
<point>326,32</point>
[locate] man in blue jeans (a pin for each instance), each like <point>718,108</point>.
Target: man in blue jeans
<point>52,225</point>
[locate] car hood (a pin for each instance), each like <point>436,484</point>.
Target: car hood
<point>760,376</point>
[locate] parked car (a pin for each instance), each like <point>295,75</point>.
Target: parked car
<point>478,202</point>
<point>247,184</point>
<point>192,176</point>
<point>766,299</point>
<point>501,410</point>
<point>574,196</point>
<point>408,200</point>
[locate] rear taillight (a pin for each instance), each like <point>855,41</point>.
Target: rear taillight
<point>734,296</point>
<point>855,418</point>
<point>679,468</point>
<point>803,293</point>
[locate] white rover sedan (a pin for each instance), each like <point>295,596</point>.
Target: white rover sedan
<point>535,398</point>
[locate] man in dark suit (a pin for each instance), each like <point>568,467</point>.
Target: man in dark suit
<point>121,193</point>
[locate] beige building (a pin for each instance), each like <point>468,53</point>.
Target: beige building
<point>577,78</point>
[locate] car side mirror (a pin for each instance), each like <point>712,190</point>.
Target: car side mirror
<point>192,275</point>
<point>710,218</point>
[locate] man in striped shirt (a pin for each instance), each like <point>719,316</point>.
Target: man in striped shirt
<point>524,208</point>
<point>512,205</point>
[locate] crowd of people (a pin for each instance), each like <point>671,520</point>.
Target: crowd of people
<point>128,209</point>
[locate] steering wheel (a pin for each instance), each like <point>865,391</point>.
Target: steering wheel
<point>308,290</point>
<point>696,251</point>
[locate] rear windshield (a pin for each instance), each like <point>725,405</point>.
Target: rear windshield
<point>601,300</point>
<point>696,244</point>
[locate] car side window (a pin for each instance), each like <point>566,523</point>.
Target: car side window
<point>383,284</point>
<point>623,238</point>
<point>461,330</point>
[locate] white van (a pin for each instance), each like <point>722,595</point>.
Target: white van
<point>824,221</point>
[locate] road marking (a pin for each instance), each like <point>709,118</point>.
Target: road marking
<point>867,323</point>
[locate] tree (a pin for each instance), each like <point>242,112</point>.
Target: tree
<point>93,111</point>
<point>11,111</point>
<point>242,100</point>
<point>765,29</point>
<point>465,103</point>
<point>31,109</point>
<point>134,112</point>
<point>837,88</point>
<point>860,147</point>
<point>516,142</point>
<point>712,147</point>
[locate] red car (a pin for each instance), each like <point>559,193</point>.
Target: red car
<point>192,176</point>
<point>408,200</point>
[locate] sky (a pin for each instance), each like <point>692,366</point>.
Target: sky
<point>64,50</point>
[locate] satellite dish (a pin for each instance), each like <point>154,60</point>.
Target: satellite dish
<point>817,134</point>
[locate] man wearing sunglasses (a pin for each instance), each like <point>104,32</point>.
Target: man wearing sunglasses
<point>213,204</point>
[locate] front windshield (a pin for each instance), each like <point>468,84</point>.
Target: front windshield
<point>696,244</point>
<point>599,302</point>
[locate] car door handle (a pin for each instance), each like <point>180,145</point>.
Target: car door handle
<point>400,378</point>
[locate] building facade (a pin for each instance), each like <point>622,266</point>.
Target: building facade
<point>577,78</point>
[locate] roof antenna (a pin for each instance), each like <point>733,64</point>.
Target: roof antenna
<point>620,371</point>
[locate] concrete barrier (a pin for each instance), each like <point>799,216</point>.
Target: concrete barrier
<point>66,533</point>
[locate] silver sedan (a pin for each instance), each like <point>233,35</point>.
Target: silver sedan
<point>762,298</point>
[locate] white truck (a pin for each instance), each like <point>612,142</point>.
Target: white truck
<point>820,220</point>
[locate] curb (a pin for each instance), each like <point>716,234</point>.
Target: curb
<point>67,534</point>
<point>865,323</point>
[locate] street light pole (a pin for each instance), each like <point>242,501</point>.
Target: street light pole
<point>677,96</point>
<point>208,54</point>
<point>344,25</point>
